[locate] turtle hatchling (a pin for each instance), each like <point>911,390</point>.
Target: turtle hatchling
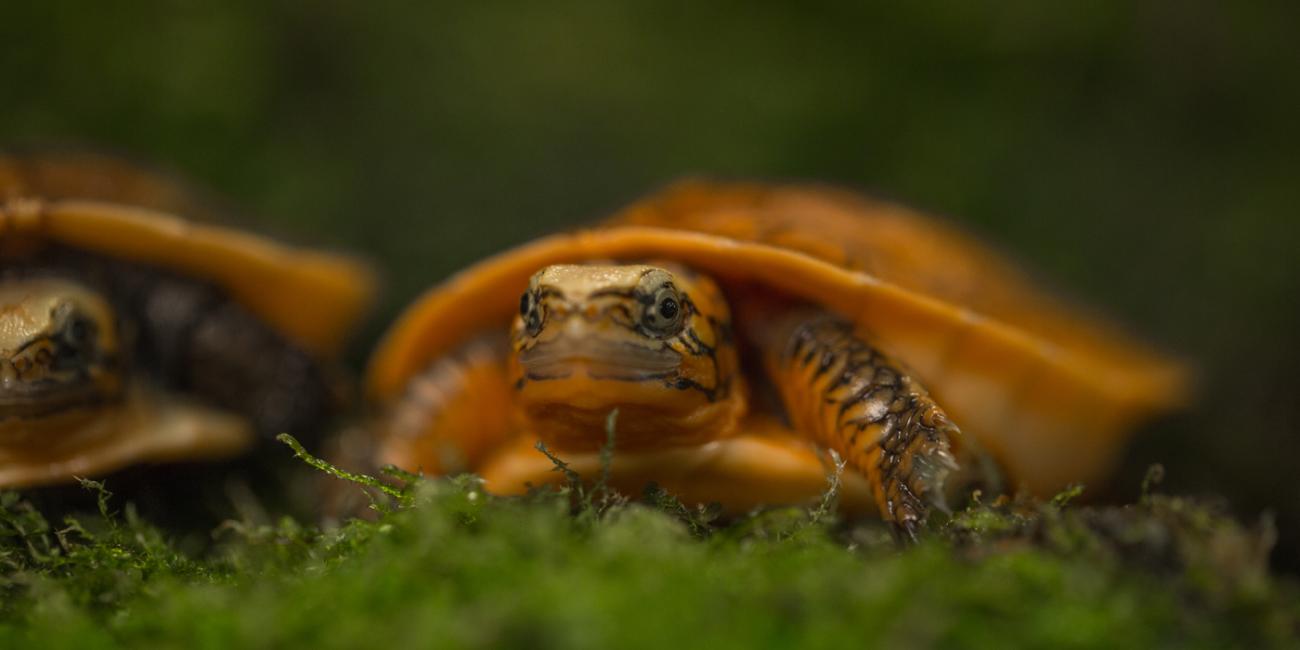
<point>742,332</point>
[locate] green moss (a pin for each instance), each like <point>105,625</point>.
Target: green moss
<point>446,563</point>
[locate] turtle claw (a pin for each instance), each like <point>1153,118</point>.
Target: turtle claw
<point>907,531</point>
<point>914,465</point>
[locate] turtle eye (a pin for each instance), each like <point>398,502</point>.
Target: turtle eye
<point>529,312</point>
<point>76,343</point>
<point>664,315</point>
<point>78,331</point>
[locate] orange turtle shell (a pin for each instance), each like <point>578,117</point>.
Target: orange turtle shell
<point>1048,389</point>
<point>98,204</point>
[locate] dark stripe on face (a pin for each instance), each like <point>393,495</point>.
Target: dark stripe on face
<point>687,384</point>
<point>654,376</point>
<point>547,291</point>
<point>535,376</point>
<point>623,317</point>
<point>698,347</point>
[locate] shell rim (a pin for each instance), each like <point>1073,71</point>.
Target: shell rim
<point>1128,372</point>
<point>275,281</point>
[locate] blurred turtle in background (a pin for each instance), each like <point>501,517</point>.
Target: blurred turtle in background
<point>136,329</point>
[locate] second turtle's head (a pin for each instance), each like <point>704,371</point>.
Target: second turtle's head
<point>653,342</point>
<point>58,351</point>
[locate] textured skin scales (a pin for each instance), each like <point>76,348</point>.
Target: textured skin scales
<point>854,399</point>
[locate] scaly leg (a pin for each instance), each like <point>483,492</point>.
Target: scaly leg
<point>854,399</point>
<point>452,414</point>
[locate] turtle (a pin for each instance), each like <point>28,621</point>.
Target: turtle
<point>132,331</point>
<point>742,332</point>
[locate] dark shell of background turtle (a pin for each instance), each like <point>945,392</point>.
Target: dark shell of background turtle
<point>187,336</point>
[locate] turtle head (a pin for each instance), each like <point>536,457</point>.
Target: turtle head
<point>653,342</point>
<point>58,349</point>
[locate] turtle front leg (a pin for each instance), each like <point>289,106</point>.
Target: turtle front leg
<point>851,397</point>
<point>452,414</point>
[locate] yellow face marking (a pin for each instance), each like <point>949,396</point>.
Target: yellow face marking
<point>58,348</point>
<point>653,342</point>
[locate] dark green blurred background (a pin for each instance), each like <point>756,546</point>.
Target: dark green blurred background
<point>1145,156</point>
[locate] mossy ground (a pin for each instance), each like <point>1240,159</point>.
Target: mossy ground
<point>448,565</point>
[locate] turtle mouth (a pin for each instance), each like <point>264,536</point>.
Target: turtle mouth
<point>46,398</point>
<point>598,358</point>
